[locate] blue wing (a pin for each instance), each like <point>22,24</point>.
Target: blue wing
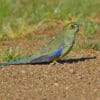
<point>48,58</point>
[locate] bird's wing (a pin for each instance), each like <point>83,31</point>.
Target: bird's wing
<point>48,58</point>
<point>52,46</point>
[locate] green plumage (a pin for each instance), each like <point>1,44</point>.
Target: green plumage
<point>64,39</point>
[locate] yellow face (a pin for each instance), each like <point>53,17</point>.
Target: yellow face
<point>68,25</point>
<point>72,26</point>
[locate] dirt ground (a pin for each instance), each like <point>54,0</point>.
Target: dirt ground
<point>76,78</point>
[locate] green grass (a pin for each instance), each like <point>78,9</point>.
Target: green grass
<point>12,54</point>
<point>19,17</point>
<point>89,29</point>
<point>94,46</point>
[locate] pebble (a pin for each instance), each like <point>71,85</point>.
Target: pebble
<point>56,84</point>
<point>79,77</point>
<point>72,71</point>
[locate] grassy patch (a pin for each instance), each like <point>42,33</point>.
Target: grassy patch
<point>94,46</point>
<point>12,54</point>
<point>19,17</point>
<point>90,29</point>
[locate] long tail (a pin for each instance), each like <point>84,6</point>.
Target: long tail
<point>30,60</point>
<point>24,60</point>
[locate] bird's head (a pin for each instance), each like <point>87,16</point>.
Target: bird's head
<point>72,26</point>
<point>75,27</point>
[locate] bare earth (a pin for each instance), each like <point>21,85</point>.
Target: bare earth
<point>77,78</point>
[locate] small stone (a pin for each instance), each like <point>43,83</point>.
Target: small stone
<point>67,87</point>
<point>79,77</point>
<point>56,84</point>
<point>72,71</point>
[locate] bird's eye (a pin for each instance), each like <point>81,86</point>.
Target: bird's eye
<point>72,26</point>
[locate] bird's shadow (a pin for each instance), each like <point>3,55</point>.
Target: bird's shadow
<point>75,60</point>
<point>70,61</point>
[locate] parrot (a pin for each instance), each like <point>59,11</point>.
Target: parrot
<point>55,50</point>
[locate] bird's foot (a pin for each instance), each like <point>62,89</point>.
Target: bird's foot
<point>54,63</point>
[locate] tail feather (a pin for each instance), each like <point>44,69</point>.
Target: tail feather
<point>24,60</point>
<point>30,60</point>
